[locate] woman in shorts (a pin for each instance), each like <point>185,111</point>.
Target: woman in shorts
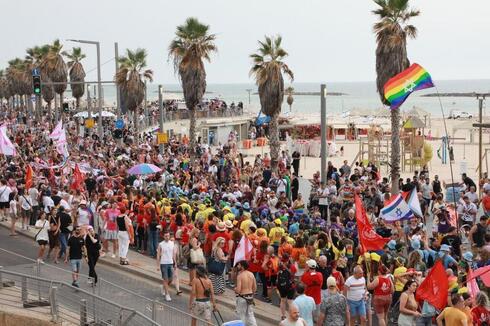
<point>382,284</point>
<point>42,238</point>
<point>53,234</point>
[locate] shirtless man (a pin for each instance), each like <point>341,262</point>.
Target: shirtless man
<point>202,296</point>
<point>245,289</point>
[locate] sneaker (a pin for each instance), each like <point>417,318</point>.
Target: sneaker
<point>75,284</point>
<point>102,254</point>
<point>162,291</point>
<point>167,297</point>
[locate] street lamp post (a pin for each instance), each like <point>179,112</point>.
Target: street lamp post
<point>160,111</point>
<point>99,84</point>
<point>249,90</point>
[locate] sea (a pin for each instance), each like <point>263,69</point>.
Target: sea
<point>357,95</point>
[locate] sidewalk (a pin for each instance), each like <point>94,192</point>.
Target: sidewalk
<point>145,267</point>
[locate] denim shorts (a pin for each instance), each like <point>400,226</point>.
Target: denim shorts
<point>167,271</point>
<point>357,308</point>
<point>76,264</point>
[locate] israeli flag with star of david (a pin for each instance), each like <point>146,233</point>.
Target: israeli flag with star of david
<point>396,210</point>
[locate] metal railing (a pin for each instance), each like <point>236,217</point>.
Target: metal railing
<point>153,309</point>
<point>65,302</point>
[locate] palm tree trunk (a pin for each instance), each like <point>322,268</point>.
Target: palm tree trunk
<point>274,141</point>
<point>56,108</point>
<point>49,113</point>
<point>61,106</point>
<point>395,151</point>
<point>192,132</point>
<point>135,125</point>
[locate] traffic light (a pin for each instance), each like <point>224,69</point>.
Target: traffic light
<point>36,85</point>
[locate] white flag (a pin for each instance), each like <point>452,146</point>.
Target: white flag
<point>57,131</point>
<point>243,250</point>
<point>6,146</point>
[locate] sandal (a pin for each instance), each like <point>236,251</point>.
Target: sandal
<point>179,292</point>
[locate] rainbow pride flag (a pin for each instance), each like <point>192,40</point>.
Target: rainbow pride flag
<point>412,79</point>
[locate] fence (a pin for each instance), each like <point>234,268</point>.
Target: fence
<point>158,312</point>
<point>65,302</point>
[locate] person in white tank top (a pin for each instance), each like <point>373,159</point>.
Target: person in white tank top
<point>166,258</point>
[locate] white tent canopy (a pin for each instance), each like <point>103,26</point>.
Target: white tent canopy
<point>84,114</point>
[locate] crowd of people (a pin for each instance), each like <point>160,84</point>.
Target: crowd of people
<point>199,211</point>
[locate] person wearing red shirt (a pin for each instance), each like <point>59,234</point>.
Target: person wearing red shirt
<point>312,281</point>
<point>221,231</point>
<point>141,227</point>
<point>486,202</point>
<point>481,312</point>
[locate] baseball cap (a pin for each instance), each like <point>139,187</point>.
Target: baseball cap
<point>311,263</point>
<point>331,281</point>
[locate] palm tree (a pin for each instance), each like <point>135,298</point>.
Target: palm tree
<point>290,98</point>
<point>268,69</point>
<point>192,44</point>
<point>391,32</point>
<point>15,79</point>
<point>57,69</point>
<point>130,79</point>
<point>77,73</point>
<point>3,86</point>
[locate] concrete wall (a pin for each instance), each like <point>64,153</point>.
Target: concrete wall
<point>11,319</point>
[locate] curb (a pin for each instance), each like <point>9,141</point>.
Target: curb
<point>135,271</point>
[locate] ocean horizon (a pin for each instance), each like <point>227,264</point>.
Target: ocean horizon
<point>358,95</point>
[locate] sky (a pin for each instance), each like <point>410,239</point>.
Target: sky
<point>327,40</point>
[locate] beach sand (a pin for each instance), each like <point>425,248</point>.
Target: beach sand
<point>465,153</point>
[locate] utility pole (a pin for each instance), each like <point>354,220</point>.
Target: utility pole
<point>89,108</point>
<point>99,91</point>
<point>160,110</point>
<point>323,120</point>
<point>145,108</point>
<point>118,91</point>
<point>480,99</point>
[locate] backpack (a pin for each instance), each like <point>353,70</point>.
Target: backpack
<point>284,279</point>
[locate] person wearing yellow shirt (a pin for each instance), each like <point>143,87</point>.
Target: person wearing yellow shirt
<point>246,223</point>
<point>228,215</point>
<point>454,315</point>
<point>276,233</point>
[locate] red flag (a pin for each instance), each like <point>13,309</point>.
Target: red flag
<point>434,288</point>
<point>483,273</point>
<point>77,179</point>
<point>28,180</point>
<point>368,238</point>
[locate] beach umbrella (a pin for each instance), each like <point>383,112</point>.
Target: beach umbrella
<point>144,168</point>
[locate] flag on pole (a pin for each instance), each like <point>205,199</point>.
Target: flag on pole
<point>412,79</point>
<point>243,250</point>
<point>56,133</point>
<point>6,146</point>
<point>483,273</point>
<point>412,199</point>
<point>28,179</point>
<point>369,239</point>
<point>62,144</point>
<point>396,210</point>
<point>473,288</point>
<point>435,287</point>
<point>77,183</point>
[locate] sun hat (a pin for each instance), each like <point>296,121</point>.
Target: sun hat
<point>246,206</point>
<point>392,244</point>
<point>277,221</point>
<point>468,256</point>
<point>221,226</point>
<point>445,247</point>
<point>415,244</point>
<point>331,281</point>
<point>229,224</point>
<point>311,263</point>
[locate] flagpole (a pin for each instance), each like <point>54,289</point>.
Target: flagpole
<point>450,161</point>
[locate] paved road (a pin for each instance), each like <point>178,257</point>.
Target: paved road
<point>110,277</point>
